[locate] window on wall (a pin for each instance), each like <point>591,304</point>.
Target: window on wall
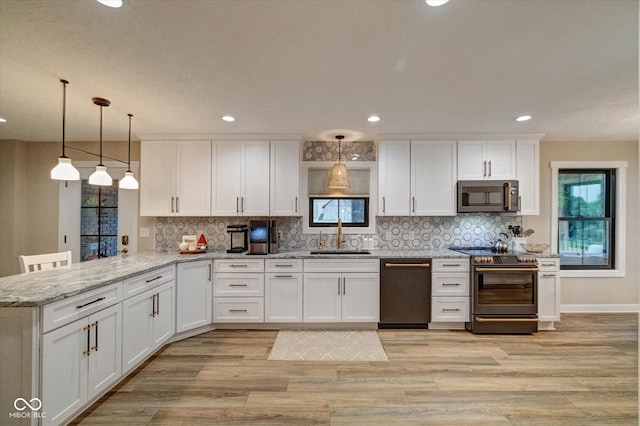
<point>325,211</point>
<point>99,221</point>
<point>586,201</point>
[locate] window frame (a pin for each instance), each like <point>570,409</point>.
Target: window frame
<point>365,224</point>
<point>619,206</point>
<point>609,217</point>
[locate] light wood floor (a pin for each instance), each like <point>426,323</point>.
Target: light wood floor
<point>585,372</point>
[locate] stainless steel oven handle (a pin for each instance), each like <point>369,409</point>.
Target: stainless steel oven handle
<point>480,319</point>
<point>407,265</point>
<point>506,269</point>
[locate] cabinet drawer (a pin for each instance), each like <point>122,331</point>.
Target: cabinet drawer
<point>65,311</point>
<point>549,263</point>
<point>341,265</point>
<point>228,284</point>
<point>283,265</point>
<point>450,284</point>
<point>238,309</point>
<point>240,265</point>
<point>151,279</point>
<point>449,309</point>
<point>446,265</point>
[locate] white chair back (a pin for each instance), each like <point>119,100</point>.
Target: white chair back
<point>41,262</point>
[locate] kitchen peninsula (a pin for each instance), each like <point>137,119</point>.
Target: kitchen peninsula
<point>69,335</point>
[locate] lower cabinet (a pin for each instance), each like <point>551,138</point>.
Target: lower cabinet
<point>148,322</point>
<point>346,297</point>
<point>193,295</point>
<point>238,291</point>
<point>548,292</point>
<point>80,360</point>
<point>283,291</point>
<point>450,291</point>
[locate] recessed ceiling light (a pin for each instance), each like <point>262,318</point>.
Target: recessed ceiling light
<point>229,118</point>
<point>111,3</point>
<point>523,118</point>
<point>436,3</point>
<point>373,118</point>
<point>3,120</point>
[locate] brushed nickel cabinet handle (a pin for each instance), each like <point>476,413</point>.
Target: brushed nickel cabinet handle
<point>451,284</point>
<point>209,272</point>
<point>450,265</point>
<point>237,285</point>
<point>177,204</point>
<point>237,310</point>
<point>153,305</point>
<point>284,276</point>
<point>172,201</point>
<point>384,204</point>
<point>338,286</point>
<point>450,309</point>
<point>296,206</point>
<point>489,168</point>
<point>344,286</point>
<point>238,265</point>
<point>153,279</point>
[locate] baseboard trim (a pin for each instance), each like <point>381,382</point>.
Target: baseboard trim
<point>599,308</point>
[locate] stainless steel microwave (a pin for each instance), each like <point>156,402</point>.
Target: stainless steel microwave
<point>477,196</point>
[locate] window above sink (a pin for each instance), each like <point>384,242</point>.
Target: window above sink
<point>325,211</point>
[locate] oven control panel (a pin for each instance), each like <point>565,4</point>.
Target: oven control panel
<point>505,260</point>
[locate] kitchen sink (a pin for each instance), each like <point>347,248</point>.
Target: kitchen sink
<point>340,252</point>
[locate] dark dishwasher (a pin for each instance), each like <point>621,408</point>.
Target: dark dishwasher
<point>405,293</point>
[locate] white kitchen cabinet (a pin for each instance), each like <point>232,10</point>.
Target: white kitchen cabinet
<point>193,295</point>
<point>79,361</point>
<point>417,178</point>
<point>148,322</point>
<point>240,178</point>
<point>283,290</point>
<point>548,292</point>
<point>528,174</point>
<point>341,290</point>
<point>238,291</point>
<point>433,178</point>
<point>346,297</point>
<point>394,178</point>
<point>450,280</point>
<point>175,178</point>
<point>285,178</point>
<point>487,159</point>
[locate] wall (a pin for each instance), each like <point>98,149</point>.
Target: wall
<point>12,204</point>
<point>578,292</point>
<point>396,233</point>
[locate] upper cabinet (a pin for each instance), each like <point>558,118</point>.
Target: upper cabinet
<point>175,178</point>
<point>528,174</point>
<point>240,178</point>
<point>285,178</point>
<point>487,159</point>
<point>427,187</point>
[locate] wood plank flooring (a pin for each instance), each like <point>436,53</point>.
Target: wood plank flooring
<point>584,373</point>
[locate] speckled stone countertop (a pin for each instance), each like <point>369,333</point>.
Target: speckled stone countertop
<point>40,288</point>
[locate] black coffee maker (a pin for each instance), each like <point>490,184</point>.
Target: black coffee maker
<point>239,238</point>
<point>263,237</point>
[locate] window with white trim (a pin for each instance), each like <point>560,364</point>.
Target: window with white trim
<point>588,219</point>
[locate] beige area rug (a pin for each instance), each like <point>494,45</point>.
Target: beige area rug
<point>327,345</point>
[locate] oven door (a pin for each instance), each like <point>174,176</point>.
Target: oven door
<point>505,291</point>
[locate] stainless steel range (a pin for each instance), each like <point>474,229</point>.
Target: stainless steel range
<point>504,292</point>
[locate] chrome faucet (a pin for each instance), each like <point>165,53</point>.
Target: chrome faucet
<point>340,240</point>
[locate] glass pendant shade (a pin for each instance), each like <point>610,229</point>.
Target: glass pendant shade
<point>65,170</point>
<point>100,177</point>
<point>129,181</point>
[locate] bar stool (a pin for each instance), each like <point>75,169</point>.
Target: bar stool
<point>42,262</point>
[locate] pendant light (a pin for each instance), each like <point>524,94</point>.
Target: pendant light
<point>100,176</point>
<point>339,179</point>
<point>129,181</point>
<point>64,170</point>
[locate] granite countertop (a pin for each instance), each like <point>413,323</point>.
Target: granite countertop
<point>40,288</point>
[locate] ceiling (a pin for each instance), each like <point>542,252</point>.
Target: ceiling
<point>319,67</point>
